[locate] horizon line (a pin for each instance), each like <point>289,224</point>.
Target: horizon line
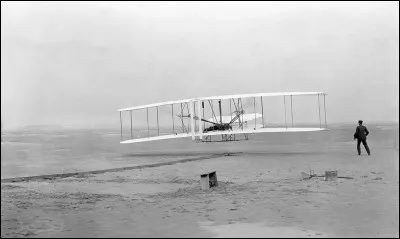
<point>117,126</point>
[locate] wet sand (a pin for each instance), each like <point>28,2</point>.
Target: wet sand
<point>261,193</point>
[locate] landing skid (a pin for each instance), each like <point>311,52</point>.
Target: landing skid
<point>224,138</point>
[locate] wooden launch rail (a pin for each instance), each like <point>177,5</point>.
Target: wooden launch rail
<point>66,175</point>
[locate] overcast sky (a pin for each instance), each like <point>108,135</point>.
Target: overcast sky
<point>76,63</point>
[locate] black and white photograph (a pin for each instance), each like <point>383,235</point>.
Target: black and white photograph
<point>204,119</point>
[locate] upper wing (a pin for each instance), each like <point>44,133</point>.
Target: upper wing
<point>225,97</point>
<point>155,104</point>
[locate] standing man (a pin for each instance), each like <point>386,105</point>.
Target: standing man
<point>361,136</point>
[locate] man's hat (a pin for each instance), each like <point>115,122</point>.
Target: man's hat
<point>360,121</point>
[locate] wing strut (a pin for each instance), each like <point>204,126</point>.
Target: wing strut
<point>291,108</point>
<point>319,112</point>
<point>158,125</point>
<point>120,119</point>
<point>200,116</point>
<point>284,103</point>
<point>183,124</point>
<point>220,111</point>
<point>192,125</point>
<point>173,121</point>
<point>242,111</point>
<point>194,114</point>
<point>230,107</point>
<point>326,125</point>
<point>187,108</point>
<point>148,126</point>
<point>255,114</point>
<point>262,111</point>
<point>131,125</point>
<point>202,105</point>
<point>241,107</point>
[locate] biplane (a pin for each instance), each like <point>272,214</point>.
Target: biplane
<point>203,119</point>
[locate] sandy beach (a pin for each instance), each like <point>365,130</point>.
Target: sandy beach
<point>108,110</point>
<point>261,192</point>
